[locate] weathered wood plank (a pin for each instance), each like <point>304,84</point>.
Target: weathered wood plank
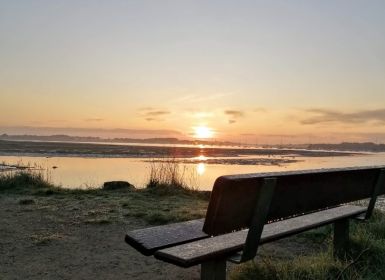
<point>148,240</point>
<point>234,197</point>
<point>225,245</point>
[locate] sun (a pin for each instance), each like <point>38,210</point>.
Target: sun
<point>203,132</point>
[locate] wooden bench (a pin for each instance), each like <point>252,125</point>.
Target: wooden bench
<point>248,210</point>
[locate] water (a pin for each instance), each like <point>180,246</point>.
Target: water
<point>78,172</point>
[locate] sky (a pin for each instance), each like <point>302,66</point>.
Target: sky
<point>251,71</point>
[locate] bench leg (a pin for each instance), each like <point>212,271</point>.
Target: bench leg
<point>341,238</point>
<point>214,270</point>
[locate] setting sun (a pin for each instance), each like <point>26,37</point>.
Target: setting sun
<point>203,132</point>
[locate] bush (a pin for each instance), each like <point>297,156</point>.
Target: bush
<point>24,181</point>
<point>168,176</point>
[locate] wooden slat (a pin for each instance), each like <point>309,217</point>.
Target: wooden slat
<point>148,240</point>
<point>225,245</point>
<point>234,197</point>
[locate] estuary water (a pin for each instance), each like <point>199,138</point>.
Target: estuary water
<point>199,172</point>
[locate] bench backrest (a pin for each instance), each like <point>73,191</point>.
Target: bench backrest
<point>233,199</point>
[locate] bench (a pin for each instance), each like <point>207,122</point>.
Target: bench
<point>248,210</point>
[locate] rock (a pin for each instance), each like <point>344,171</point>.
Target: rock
<point>117,185</point>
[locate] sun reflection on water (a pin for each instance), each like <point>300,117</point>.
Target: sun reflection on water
<point>201,168</point>
<point>201,158</point>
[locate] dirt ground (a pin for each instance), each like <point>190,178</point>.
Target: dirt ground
<point>51,238</point>
<point>82,237</point>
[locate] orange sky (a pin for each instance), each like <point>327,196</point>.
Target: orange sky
<point>251,71</point>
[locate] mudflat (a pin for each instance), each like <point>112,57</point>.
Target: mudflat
<point>30,148</point>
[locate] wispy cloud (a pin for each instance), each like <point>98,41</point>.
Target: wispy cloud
<point>146,109</point>
<point>326,116</point>
<point>260,110</point>
<point>152,114</point>
<point>94,120</point>
<point>248,134</point>
<point>157,113</point>
<point>234,115</point>
<point>195,98</point>
<point>200,114</point>
<point>57,121</point>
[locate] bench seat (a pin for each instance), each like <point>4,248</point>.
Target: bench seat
<point>225,245</point>
<point>149,240</point>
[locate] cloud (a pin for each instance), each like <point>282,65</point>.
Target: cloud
<point>200,114</point>
<point>260,110</point>
<point>234,115</point>
<point>149,119</point>
<point>94,120</point>
<point>195,98</point>
<point>152,114</point>
<point>248,134</point>
<point>327,116</point>
<point>146,109</point>
<point>57,121</point>
<point>157,113</point>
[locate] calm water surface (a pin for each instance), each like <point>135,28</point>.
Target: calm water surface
<point>77,172</point>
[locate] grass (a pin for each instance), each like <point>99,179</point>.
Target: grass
<point>365,259</point>
<point>98,221</point>
<point>26,201</point>
<point>168,176</point>
<point>157,204</point>
<point>45,239</point>
<point>24,181</point>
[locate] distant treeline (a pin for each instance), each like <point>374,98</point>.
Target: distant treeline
<point>68,138</point>
<point>347,146</point>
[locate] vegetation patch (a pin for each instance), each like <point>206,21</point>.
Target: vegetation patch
<point>24,181</point>
<point>365,259</point>
<point>157,204</point>
<point>26,201</point>
<point>98,221</point>
<point>171,177</point>
<point>45,238</point>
